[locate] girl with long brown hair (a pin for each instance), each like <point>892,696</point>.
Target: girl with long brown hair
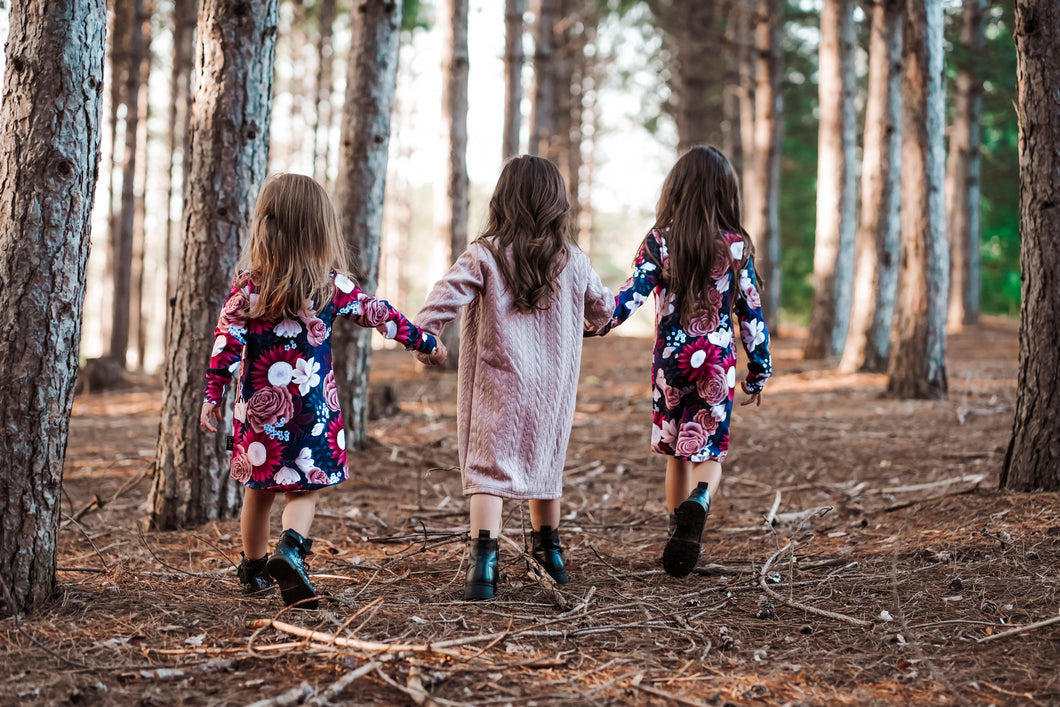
<point>526,291</point>
<point>698,260</point>
<point>275,331</point>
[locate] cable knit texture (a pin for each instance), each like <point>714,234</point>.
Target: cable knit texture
<point>518,374</point>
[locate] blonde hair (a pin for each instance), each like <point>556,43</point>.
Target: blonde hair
<point>295,244</point>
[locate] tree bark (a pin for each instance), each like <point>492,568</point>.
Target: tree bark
<point>1033,458</point>
<point>876,243</point>
<point>513,81</point>
<point>236,44</point>
<point>917,368</point>
<point>833,251</point>
<point>451,210</point>
<point>364,146</point>
<point>962,171</point>
<point>138,315</point>
<point>543,128</point>
<point>322,114</point>
<point>49,161</point>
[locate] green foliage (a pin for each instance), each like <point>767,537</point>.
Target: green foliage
<point>415,15</point>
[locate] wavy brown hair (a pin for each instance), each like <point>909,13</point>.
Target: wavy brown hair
<point>528,213</point>
<point>295,243</point>
<point>700,199</point>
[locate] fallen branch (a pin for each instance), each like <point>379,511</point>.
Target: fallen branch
<point>543,579</point>
<point>292,697</point>
<point>918,493</point>
<point>1019,629</point>
<point>796,605</point>
<point>336,688</point>
<point>326,639</point>
<point>668,696</point>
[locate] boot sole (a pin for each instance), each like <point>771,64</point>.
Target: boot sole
<point>560,577</point>
<point>478,592</point>
<point>684,547</point>
<point>293,588</point>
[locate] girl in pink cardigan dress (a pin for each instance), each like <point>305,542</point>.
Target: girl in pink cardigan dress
<point>528,293</point>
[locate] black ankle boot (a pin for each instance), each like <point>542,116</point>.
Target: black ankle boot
<point>481,580</point>
<point>253,577</point>
<point>684,547</point>
<point>547,552</point>
<point>287,567</point>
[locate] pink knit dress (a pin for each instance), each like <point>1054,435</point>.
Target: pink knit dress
<point>518,374</point>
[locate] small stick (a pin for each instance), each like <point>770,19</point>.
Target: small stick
<point>543,579</point>
<point>335,689</point>
<point>328,638</point>
<point>773,510</point>
<point>292,697</point>
<point>1020,629</point>
<point>792,603</point>
<point>670,697</point>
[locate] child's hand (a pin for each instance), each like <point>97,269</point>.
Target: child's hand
<point>209,410</point>
<point>436,357</point>
<point>755,398</point>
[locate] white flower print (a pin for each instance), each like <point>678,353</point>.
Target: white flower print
<point>318,429</point>
<point>745,281</point>
<point>722,283</point>
<point>285,476</point>
<point>668,352</point>
<point>340,439</point>
<point>720,337</point>
<point>344,283</point>
<point>240,411</point>
<point>718,412</point>
<point>218,345</point>
<point>730,375</point>
<point>754,333</point>
<point>234,368</point>
<point>288,329</point>
<point>646,266</point>
<point>737,250</point>
<point>280,374</point>
<point>305,460</point>
<point>305,375</point>
<point>636,301</point>
<point>391,329</point>
<point>697,358</point>
<point>257,454</point>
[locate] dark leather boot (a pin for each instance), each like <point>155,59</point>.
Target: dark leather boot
<point>287,567</point>
<point>481,580</point>
<point>684,547</point>
<point>547,552</point>
<point>253,577</point>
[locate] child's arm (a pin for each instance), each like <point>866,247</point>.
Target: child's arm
<point>457,288</point>
<point>229,339</point>
<point>368,311</point>
<point>646,271</point>
<point>753,331</point>
<point>599,303</point>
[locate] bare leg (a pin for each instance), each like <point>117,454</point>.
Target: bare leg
<point>254,522</point>
<point>544,511</point>
<point>486,514</point>
<point>299,511</point>
<point>683,476</point>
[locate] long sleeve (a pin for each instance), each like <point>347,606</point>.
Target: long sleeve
<point>229,340</point>
<point>599,302</point>
<point>456,289</point>
<point>634,292</point>
<point>367,311</point>
<point>753,331</point>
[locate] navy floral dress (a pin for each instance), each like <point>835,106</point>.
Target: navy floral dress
<point>288,433</point>
<point>694,368</point>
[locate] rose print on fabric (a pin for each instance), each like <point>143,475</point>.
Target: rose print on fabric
<point>269,406</point>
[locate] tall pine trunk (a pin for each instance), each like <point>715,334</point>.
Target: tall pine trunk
<point>364,147</point>
<point>1033,457</point>
<point>833,251</point>
<point>962,171</point>
<point>917,368</point>
<point>138,310</point>
<point>513,82</point>
<point>322,114</point>
<point>876,243</point>
<point>49,162</point>
<point>543,108</point>
<point>229,154</point>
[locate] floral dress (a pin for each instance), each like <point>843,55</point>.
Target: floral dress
<point>288,433</point>
<point>694,368</point>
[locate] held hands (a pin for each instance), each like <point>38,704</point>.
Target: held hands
<point>755,398</point>
<point>434,358</point>
<point>209,410</point>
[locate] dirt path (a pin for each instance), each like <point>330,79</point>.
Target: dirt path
<point>914,585</point>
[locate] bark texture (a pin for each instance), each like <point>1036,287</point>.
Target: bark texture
<point>235,47</point>
<point>868,342</point>
<point>833,252</point>
<point>322,114</point>
<point>513,82</point>
<point>364,147</point>
<point>917,368</point>
<point>49,162</point>
<point>1033,458</point>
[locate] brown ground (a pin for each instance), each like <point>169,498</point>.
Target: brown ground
<point>158,618</point>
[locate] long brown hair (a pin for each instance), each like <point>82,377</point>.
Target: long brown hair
<point>700,199</point>
<point>295,242</point>
<point>528,212</point>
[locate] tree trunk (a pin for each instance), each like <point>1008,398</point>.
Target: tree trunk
<point>49,162</point>
<point>543,128</point>
<point>229,154</point>
<point>138,315</point>
<point>917,366</point>
<point>876,244</point>
<point>833,251</point>
<point>322,114</point>
<point>513,82</point>
<point>962,171</point>
<point>451,210</point>
<point>1033,457</point>
<point>364,145</point>
<point>762,178</point>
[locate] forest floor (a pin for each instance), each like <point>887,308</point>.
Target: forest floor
<point>868,523</point>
